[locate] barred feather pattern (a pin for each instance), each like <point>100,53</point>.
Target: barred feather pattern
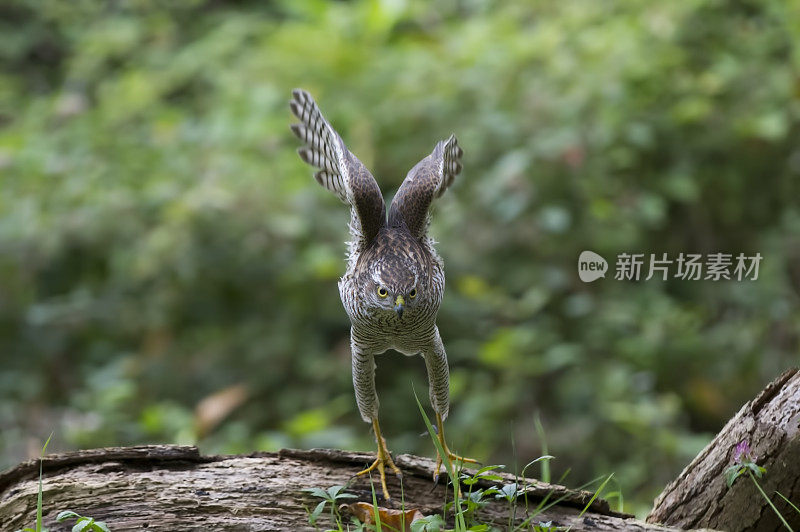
<point>374,330</point>
<point>450,165</point>
<point>339,170</point>
<point>395,255</point>
<point>324,148</point>
<point>428,180</point>
<point>400,262</point>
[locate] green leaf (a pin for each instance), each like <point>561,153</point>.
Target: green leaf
<point>84,523</point>
<point>66,514</point>
<point>101,526</point>
<point>476,496</point>
<point>318,492</point>
<point>508,491</point>
<point>317,512</point>
<point>333,491</point>
<point>485,469</point>
<point>430,523</point>
<point>758,470</point>
<point>732,473</point>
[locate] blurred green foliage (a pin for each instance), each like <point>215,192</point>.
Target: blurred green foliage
<point>160,240</point>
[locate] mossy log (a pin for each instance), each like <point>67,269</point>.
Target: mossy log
<point>770,426</point>
<point>175,488</point>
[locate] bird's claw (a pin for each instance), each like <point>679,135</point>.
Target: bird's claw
<point>454,458</point>
<point>383,459</point>
<point>380,464</point>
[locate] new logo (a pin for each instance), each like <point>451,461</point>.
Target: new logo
<point>591,266</point>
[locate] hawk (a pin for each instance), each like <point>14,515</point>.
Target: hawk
<point>394,281</point>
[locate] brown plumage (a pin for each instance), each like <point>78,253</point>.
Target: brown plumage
<point>394,281</point>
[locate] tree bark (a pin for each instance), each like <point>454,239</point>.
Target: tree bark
<point>174,488</point>
<point>770,424</point>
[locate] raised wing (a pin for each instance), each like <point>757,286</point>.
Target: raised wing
<point>425,182</point>
<point>339,170</point>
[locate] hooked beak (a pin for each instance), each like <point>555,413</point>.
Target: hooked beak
<point>399,306</point>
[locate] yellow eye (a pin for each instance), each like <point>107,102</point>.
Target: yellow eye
<point>413,293</point>
<point>382,292</point>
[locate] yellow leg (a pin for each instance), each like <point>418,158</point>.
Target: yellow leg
<point>451,455</point>
<point>383,459</point>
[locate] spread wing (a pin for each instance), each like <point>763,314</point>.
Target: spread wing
<point>339,170</point>
<point>425,182</point>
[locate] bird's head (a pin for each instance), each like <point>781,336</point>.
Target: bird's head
<point>395,287</point>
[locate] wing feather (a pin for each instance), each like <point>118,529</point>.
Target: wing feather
<point>338,169</point>
<point>428,180</point>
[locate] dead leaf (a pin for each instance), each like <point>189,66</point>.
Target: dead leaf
<point>365,513</point>
<point>212,410</point>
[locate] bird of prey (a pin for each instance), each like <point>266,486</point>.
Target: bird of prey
<point>394,281</point>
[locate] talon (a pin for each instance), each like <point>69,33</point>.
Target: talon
<point>450,455</point>
<point>456,458</point>
<point>383,459</point>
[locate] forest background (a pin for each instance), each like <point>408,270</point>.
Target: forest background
<point>168,265</point>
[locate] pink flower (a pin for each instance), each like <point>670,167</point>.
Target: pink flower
<point>742,453</point>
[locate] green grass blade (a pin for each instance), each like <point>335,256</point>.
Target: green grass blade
<point>596,494</point>
<point>783,520</point>
<point>545,463</point>
<point>790,503</point>
<point>402,506</point>
<point>446,459</point>
<point>543,458</point>
<point>375,506</point>
<point>39,496</point>
<point>616,494</point>
<point>543,508</point>
<point>460,523</point>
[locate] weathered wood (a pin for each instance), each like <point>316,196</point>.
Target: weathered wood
<point>174,488</point>
<point>770,424</point>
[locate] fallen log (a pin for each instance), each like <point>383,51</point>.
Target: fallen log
<point>175,488</point>
<point>770,426</point>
